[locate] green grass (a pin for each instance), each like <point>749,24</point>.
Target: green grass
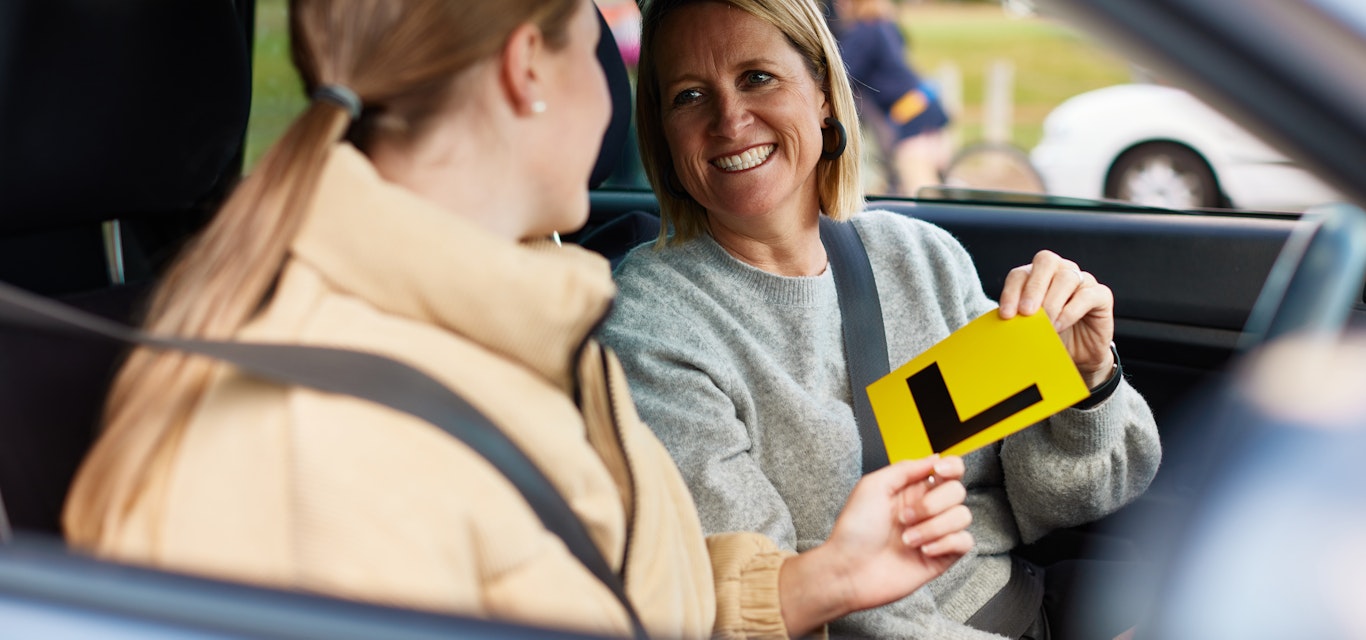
<point>1052,61</point>
<point>276,93</point>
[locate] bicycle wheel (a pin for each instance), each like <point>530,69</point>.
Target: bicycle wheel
<point>996,166</point>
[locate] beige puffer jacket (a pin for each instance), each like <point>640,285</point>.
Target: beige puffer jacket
<point>298,489</point>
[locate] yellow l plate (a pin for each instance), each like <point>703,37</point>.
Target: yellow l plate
<point>987,380</point>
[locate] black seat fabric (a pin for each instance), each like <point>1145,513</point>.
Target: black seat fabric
<point>53,392</point>
<point>615,139</point>
<point>615,238</point>
<point>136,111</point>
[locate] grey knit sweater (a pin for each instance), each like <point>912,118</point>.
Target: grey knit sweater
<point>741,373</point>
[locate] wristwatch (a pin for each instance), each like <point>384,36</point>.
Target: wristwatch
<point>1106,389</point>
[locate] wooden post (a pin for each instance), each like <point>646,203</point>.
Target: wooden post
<point>949,79</point>
<point>999,111</point>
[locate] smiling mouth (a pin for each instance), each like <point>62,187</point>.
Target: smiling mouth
<point>748,160</point>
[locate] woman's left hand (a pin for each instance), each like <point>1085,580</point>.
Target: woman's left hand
<point>1082,309</point>
<point>902,526</point>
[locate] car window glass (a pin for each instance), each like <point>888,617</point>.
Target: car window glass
<point>1034,107</point>
<point>1037,107</point>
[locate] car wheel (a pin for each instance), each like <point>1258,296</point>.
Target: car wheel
<point>1163,174</point>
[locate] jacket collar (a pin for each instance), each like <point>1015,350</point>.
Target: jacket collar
<point>532,302</point>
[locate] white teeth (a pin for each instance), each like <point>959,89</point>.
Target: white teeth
<point>747,160</point>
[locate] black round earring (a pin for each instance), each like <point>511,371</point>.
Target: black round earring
<point>675,192</point>
<point>843,139</point>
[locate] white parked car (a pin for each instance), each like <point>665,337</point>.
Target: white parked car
<point>1162,147</point>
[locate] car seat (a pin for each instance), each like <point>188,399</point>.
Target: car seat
<point>159,93</point>
<point>121,127</point>
<point>616,138</point>
<point>611,232</point>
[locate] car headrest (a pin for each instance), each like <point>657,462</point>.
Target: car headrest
<point>614,141</point>
<point>117,109</point>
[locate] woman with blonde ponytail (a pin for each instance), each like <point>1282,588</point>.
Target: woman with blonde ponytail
<point>404,213</point>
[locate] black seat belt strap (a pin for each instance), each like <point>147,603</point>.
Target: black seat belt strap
<point>368,376</point>
<point>865,339</point>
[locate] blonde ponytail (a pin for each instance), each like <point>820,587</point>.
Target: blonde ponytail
<point>211,290</point>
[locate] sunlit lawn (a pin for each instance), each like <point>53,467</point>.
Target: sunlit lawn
<point>276,93</point>
<point>1052,61</point>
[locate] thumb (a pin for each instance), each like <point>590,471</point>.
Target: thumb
<point>895,477</point>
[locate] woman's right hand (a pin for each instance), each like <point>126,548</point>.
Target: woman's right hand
<point>902,526</point>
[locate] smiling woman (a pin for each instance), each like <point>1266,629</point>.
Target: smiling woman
<point>743,132</point>
<point>730,326</point>
<point>721,90</point>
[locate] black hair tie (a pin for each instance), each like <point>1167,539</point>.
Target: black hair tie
<point>341,96</point>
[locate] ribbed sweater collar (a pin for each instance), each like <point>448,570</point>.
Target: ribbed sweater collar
<point>796,291</point>
<point>532,302</point>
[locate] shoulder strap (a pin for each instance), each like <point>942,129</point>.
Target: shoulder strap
<point>372,377</point>
<point>865,339</point>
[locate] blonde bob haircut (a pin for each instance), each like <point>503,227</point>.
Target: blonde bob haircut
<point>839,185</point>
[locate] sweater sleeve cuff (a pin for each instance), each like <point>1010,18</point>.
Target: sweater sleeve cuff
<point>745,567</point>
<point>1088,431</point>
<point>1105,390</point>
